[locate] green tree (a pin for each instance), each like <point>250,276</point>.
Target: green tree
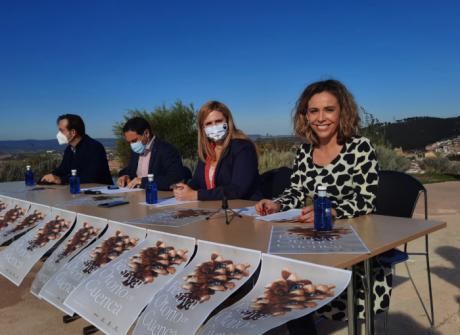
<point>175,124</point>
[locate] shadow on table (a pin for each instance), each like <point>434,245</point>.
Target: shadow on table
<point>451,275</point>
<point>399,324</point>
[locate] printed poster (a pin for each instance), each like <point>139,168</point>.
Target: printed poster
<point>13,212</point>
<point>117,239</point>
<point>285,290</point>
<point>175,218</point>
<point>35,215</point>
<point>86,230</point>
<point>304,239</point>
<point>216,272</point>
<point>4,203</point>
<point>113,297</point>
<point>19,257</point>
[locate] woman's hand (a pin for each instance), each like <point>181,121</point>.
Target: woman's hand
<point>183,192</point>
<point>135,182</point>
<point>266,206</point>
<point>308,214</point>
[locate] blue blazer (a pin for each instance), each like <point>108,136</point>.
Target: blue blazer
<point>236,172</point>
<point>165,163</point>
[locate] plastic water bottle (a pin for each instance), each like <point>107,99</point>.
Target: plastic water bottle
<point>151,191</point>
<point>323,210</point>
<point>74,182</point>
<point>29,176</point>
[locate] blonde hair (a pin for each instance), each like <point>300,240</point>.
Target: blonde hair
<point>205,147</point>
<point>349,117</point>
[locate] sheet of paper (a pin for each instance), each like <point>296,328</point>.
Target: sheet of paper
<point>248,211</point>
<point>130,282</point>
<point>289,215</point>
<point>175,218</point>
<point>285,290</point>
<point>105,190</point>
<point>215,273</point>
<point>302,239</point>
<point>168,202</point>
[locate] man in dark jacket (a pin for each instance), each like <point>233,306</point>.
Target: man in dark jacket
<point>83,154</point>
<point>150,156</point>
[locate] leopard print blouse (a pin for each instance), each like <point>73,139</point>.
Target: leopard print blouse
<point>351,179</point>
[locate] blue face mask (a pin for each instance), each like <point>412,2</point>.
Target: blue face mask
<point>138,147</point>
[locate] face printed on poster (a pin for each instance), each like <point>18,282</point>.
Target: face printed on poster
<point>86,230</point>
<point>117,239</point>
<point>216,272</point>
<point>18,258</point>
<point>285,290</point>
<point>112,298</point>
<point>35,215</point>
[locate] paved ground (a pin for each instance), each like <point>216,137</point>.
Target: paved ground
<point>23,314</point>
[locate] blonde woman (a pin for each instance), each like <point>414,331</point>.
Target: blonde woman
<point>228,159</point>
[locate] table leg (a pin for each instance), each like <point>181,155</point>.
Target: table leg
<point>352,329</point>
<point>368,301</point>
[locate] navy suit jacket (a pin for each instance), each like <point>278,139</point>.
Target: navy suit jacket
<point>165,163</point>
<point>90,161</point>
<point>236,173</point>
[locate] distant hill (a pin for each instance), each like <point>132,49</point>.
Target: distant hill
<point>417,132</point>
<point>43,145</point>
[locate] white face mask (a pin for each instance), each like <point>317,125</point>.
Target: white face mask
<point>61,138</point>
<point>216,132</point>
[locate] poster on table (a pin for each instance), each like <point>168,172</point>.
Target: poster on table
<point>18,258</point>
<point>87,200</point>
<point>216,272</point>
<point>285,290</point>
<point>34,216</point>
<point>176,217</point>
<point>304,239</point>
<point>13,212</point>
<point>113,297</point>
<point>4,203</point>
<point>117,239</point>
<point>86,230</point>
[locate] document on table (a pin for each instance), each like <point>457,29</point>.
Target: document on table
<point>105,190</point>
<point>248,211</point>
<point>168,202</point>
<point>304,239</point>
<point>290,215</point>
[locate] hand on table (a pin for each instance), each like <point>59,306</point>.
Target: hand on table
<point>183,192</point>
<point>123,181</point>
<point>134,183</point>
<point>266,206</point>
<point>51,179</point>
<point>308,214</point>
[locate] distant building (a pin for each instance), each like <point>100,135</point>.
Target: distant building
<point>446,147</point>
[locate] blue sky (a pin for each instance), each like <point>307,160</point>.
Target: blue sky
<point>101,58</point>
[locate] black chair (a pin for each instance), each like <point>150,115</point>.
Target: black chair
<point>186,173</point>
<point>274,182</point>
<point>397,195</point>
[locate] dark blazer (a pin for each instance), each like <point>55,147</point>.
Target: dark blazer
<point>90,161</point>
<point>236,172</point>
<point>165,163</point>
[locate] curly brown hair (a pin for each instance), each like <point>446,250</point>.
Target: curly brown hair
<point>349,117</point>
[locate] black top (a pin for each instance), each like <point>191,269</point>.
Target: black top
<point>90,161</point>
<point>165,164</point>
<point>236,173</point>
